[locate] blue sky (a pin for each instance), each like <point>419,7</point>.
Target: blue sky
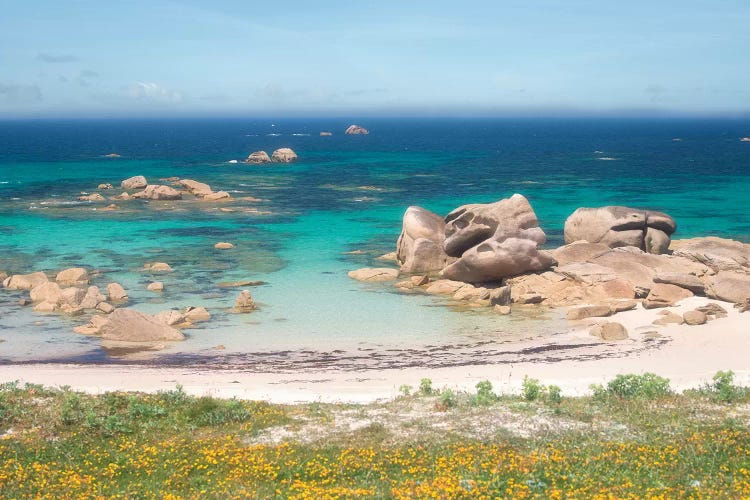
<point>232,57</point>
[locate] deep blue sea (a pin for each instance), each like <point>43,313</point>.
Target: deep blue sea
<point>345,194</point>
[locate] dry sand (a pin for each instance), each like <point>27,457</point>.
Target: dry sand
<point>687,355</point>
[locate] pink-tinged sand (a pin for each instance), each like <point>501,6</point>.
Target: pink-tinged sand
<point>692,355</point>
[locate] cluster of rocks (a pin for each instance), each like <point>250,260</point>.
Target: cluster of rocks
<point>614,258</point>
<point>69,293</point>
<point>160,192</point>
<point>282,155</point>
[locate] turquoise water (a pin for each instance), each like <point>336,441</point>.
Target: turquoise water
<point>346,193</point>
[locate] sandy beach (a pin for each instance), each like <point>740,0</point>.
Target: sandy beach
<point>688,355</point>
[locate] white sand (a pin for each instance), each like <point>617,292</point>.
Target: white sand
<point>689,358</point>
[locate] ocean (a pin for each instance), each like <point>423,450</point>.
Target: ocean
<point>336,209</point>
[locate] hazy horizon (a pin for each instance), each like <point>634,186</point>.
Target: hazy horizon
<point>182,58</point>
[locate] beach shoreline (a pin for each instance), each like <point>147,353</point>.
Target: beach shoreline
<point>688,355</point>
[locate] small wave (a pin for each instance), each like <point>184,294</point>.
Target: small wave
<point>607,158</point>
<point>273,135</point>
<point>4,182</point>
<point>301,135</point>
<point>251,135</point>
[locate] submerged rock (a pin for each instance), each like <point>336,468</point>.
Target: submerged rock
<point>617,226</point>
<point>223,245</point>
<point>133,326</point>
<point>158,267</point>
<point>156,286</point>
<point>374,274</point>
<point>217,196</point>
<point>244,302</point>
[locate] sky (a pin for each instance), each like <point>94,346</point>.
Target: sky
<point>89,58</point>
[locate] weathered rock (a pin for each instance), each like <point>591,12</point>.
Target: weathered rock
<point>530,298</point>
<point>195,314</point>
<point>617,226</point>
<point>389,257</point>
<point>93,327</point>
<point>217,196</point>
<point>356,130</point>
<point>25,281</point>
<point>136,182</point>
<point>713,309</point>
<point>283,155</point>
<point>47,292</point>
<point>492,260</point>
<point>105,186</point>
<point>664,295</point>
<point>92,298</point>
<point>196,188</point>
<point>122,196</point>
<point>74,276</point>
<point>500,296</point>
<point>105,307</point>
<point>719,254</point>
<point>582,312</point>
<point>444,287</point>
<point>578,251</point>
<point>258,157</point>
<point>3,276</point>
<point>374,274</point>
<point>420,245</point>
<point>688,281</point>
<point>157,267</point>
<point>129,325</point>
<point>669,318</point>
<point>170,317</point>
<point>729,286</point>
<point>502,310</point>
<point>623,305</point>
<point>72,296</point>
<point>156,286</point>
<point>610,331</point>
<point>472,294</point>
<point>419,280</point>
<point>70,310</point>
<point>158,192</point>
<point>223,245</point>
<point>116,293</point>
<point>695,317</point>
<point>244,302</point>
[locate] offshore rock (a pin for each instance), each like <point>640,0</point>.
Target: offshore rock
<point>158,192</point>
<point>136,182</point>
<point>258,157</point>
<point>284,155</point>
<point>356,130</point>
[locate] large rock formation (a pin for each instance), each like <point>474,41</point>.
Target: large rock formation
<point>420,246</point>
<point>719,254</point>
<point>616,226</point>
<point>356,130</point>
<point>494,241</point>
<point>283,155</point>
<point>132,326</point>
<point>198,189</point>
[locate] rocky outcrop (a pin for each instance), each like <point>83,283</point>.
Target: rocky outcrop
<point>25,281</point>
<point>158,192</point>
<point>729,286</point>
<point>374,274</point>
<point>719,254</point>
<point>136,182</point>
<point>257,157</point>
<point>92,197</point>
<point>283,155</point>
<point>356,130</point>
<point>217,196</point>
<point>198,189</point>
<point>92,298</point>
<point>665,295</point>
<point>494,241</point>
<point>420,246</point>
<point>105,186</point>
<point>128,325</point>
<point>617,226</point>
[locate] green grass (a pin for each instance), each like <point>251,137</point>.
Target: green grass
<point>634,438</point>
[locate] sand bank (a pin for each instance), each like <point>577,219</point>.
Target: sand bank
<point>687,355</point>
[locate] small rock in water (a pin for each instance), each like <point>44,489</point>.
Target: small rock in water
<point>105,186</point>
<point>197,314</point>
<point>73,276</point>
<point>105,307</point>
<point>374,274</point>
<point>158,267</point>
<point>136,182</point>
<point>223,245</point>
<point>156,286</point>
<point>504,310</point>
<point>244,302</point>
<point>115,292</point>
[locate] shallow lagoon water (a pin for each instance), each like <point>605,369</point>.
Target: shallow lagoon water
<point>346,193</point>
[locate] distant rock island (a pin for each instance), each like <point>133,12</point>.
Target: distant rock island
<point>356,130</point>
<point>281,155</point>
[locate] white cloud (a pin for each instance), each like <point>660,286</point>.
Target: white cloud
<point>150,91</point>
